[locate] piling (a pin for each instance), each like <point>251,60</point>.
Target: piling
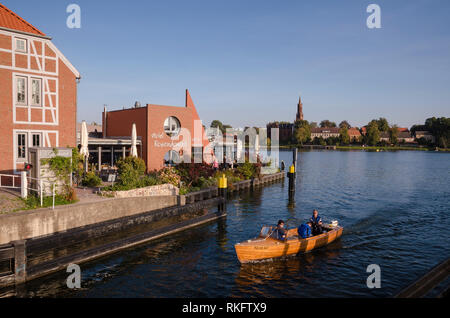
<point>291,176</point>
<point>20,261</point>
<point>223,187</point>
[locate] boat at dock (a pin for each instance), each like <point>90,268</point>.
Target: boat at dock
<point>265,246</point>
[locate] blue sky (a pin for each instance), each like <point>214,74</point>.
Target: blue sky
<point>246,62</point>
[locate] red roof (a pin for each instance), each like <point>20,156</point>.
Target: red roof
<point>10,20</point>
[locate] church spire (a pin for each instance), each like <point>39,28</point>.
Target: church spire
<point>299,109</point>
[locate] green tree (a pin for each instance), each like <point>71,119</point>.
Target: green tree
<point>327,123</point>
<point>302,131</point>
<point>440,128</point>
<point>393,134</point>
<point>217,124</point>
<point>313,124</point>
<point>373,133</point>
<point>344,124</point>
<point>344,137</point>
<point>383,124</point>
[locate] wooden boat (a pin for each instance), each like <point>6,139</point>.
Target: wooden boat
<point>266,247</point>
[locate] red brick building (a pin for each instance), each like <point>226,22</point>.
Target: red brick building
<point>165,132</point>
<point>38,96</point>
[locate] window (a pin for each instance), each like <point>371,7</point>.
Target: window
<point>36,140</point>
<point>21,45</point>
<point>21,90</point>
<point>171,158</point>
<point>36,87</point>
<point>21,145</point>
<point>172,126</point>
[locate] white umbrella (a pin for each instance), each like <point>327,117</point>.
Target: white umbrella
<point>84,150</point>
<point>133,142</point>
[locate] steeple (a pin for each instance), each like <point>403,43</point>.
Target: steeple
<point>299,109</point>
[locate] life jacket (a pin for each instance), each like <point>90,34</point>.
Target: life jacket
<point>304,231</point>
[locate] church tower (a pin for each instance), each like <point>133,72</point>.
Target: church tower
<point>299,109</point>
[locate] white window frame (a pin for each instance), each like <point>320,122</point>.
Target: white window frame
<point>32,139</point>
<point>17,146</point>
<point>24,41</point>
<point>40,91</point>
<point>17,90</point>
<point>170,121</point>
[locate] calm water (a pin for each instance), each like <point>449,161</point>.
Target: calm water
<point>394,207</point>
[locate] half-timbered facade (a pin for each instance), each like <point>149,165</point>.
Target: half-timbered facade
<point>38,92</point>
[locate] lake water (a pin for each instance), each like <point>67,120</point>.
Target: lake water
<point>394,207</point>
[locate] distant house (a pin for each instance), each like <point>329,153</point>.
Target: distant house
<point>384,136</point>
<point>406,137</point>
<point>94,130</point>
<point>324,132</point>
<point>354,134</point>
<point>426,135</point>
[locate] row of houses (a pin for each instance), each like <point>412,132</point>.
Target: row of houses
<point>38,107</point>
<point>404,135</point>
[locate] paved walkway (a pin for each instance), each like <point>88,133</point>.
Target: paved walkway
<point>87,195</point>
<point>10,201</point>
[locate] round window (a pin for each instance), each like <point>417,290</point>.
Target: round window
<point>172,126</point>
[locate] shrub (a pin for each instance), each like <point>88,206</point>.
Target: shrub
<point>247,170</point>
<point>131,170</point>
<point>91,180</point>
<point>169,175</point>
<point>195,174</point>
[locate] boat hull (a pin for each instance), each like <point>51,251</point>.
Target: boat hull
<point>259,249</point>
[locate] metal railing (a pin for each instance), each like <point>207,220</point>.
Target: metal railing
<point>7,184</point>
<point>27,184</point>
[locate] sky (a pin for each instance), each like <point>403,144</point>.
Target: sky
<point>246,62</point>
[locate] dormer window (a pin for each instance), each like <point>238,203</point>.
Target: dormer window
<point>21,45</point>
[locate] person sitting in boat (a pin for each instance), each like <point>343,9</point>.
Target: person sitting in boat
<point>279,232</point>
<point>316,222</point>
<point>304,230</point>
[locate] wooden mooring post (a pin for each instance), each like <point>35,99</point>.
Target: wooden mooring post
<point>20,261</point>
<point>223,187</point>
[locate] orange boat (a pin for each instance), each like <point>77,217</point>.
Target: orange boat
<point>266,247</point>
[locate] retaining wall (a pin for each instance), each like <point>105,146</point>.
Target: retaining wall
<point>28,224</point>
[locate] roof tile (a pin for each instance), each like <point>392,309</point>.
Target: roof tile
<point>10,20</point>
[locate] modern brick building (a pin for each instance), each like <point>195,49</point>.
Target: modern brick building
<point>167,133</point>
<point>38,96</point>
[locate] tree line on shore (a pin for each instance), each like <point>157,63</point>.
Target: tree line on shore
<point>439,128</point>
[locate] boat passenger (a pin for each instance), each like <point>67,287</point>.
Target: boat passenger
<point>304,230</point>
<point>316,222</point>
<point>280,232</point>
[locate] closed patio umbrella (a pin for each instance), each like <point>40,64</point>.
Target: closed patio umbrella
<point>84,142</point>
<point>133,152</point>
